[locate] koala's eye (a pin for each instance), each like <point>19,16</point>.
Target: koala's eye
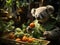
<point>41,16</point>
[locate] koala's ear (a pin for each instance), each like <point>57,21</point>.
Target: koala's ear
<point>50,8</point>
<point>33,12</point>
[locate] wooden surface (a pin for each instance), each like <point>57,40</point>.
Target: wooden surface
<point>4,41</point>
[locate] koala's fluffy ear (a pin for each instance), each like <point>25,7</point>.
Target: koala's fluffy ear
<point>50,8</point>
<point>33,12</point>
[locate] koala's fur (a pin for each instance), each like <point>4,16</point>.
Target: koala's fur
<point>42,10</point>
<point>42,13</point>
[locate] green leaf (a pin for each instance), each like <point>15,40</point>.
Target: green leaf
<point>38,26</point>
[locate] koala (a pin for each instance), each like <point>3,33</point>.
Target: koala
<point>55,33</point>
<point>53,36</point>
<point>42,13</point>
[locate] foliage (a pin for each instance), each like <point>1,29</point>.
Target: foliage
<point>6,26</point>
<point>21,3</point>
<point>8,4</point>
<point>49,25</point>
<point>19,32</point>
<point>38,30</point>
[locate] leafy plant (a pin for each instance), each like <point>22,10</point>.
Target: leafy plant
<point>19,32</point>
<point>6,26</point>
<point>38,29</point>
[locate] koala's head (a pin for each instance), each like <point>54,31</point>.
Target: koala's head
<point>37,11</point>
<point>50,9</point>
<point>42,13</point>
